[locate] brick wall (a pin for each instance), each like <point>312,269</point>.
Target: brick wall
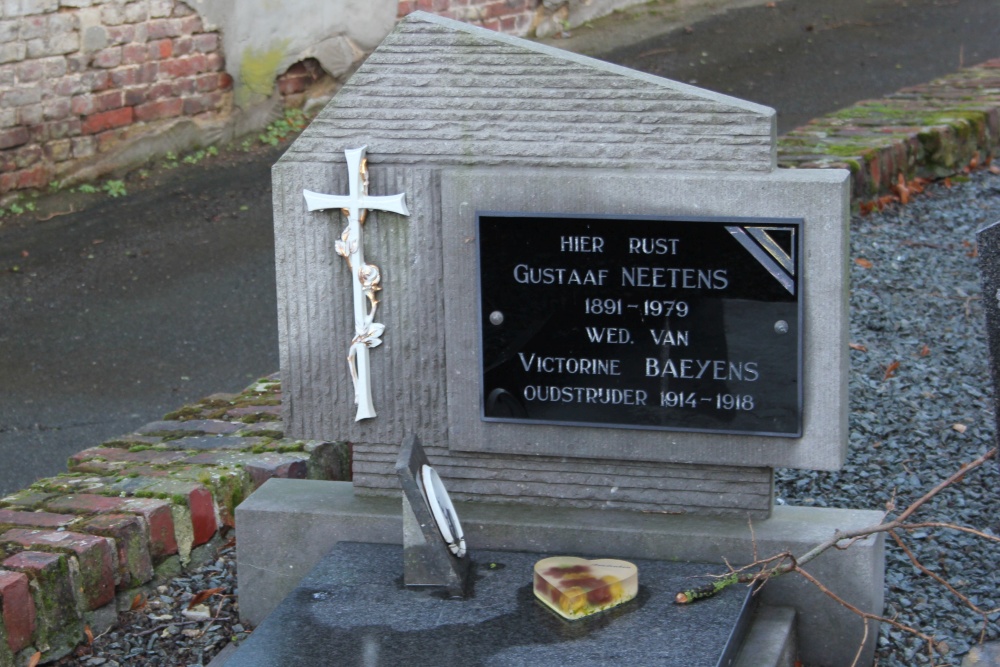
<point>79,77</point>
<point>514,17</point>
<point>82,79</point>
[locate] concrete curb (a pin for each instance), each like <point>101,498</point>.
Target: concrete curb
<point>135,511</point>
<point>929,131</point>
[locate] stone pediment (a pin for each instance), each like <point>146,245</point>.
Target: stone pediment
<point>443,93</point>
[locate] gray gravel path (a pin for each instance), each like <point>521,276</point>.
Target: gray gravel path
<point>915,300</point>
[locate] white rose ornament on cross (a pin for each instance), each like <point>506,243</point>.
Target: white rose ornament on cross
<point>366,278</point>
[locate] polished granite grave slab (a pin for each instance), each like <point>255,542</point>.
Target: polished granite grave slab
<point>353,609</point>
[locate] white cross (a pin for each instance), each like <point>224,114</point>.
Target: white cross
<point>366,276</point>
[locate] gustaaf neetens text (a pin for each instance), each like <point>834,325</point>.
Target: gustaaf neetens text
<point>631,327</point>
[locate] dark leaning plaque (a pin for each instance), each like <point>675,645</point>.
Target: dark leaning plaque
<point>690,324</point>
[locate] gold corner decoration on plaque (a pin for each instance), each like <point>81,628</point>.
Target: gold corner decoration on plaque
<point>366,278</point>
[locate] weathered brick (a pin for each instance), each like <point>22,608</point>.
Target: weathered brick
<point>287,466</point>
<point>186,66</point>
<point>289,85</point>
<point>85,503</point>
<point>30,114</point>
<point>198,499</point>
<point>55,67</point>
<point>59,150</point>
<point>160,28</point>
<point>59,618</point>
<point>206,83</point>
<point>57,108</point>
<point>206,42</point>
<point>38,6</point>
<point>181,9</point>
<point>17,609</point>
<point>151,111</point>
<point>69,85</point>
<point>79,4</point>
<point>83,146</point>
<point>150,72</point>
<point>126,76</point>
<point>192,427</point>
<point>13,52</point>
<point>95,554</point>
<point>191,24</point>
<point>106,120</point>
<point>154,456</point>
<point>214,62</point>
<point>162,89</point>
<point>131,538</point>
<point>160,8</point>
<point>134,97</point>
<point>33,27</point>
<point>22,96</point>
<point>136,12</point>
<point>63,22</point>
<point>112,99</point>
<point>159,522</point>
<point>97,80</point>
<point>27,499</point>
<point>28,155</point>
<point>8,31</point>
<point>160,49</point>
<point>108,58</point>
<point>134,54</point>
<point>8,118</point>
<point>36,177</point>
<point>16,136</point>
<point>121,34</point>
<point>82,105</point>
<point>184,87</point>
<point>112,13</point>
<point>30,71</point>
<point>53,45</point>
<point>183,46</point>
<point>21,519</point>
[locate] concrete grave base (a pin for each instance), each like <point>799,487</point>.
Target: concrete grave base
<point>287,526</point>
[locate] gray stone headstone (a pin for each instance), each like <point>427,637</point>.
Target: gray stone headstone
<point>463,119</point>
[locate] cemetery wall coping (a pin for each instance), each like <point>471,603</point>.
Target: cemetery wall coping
<point>134,511</point>
<point>933,130</point>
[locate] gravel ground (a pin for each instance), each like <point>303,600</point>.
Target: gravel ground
<point>916,301</point>
<point>169,627</point>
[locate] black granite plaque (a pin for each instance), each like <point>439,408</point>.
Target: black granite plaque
<point>688,324</point>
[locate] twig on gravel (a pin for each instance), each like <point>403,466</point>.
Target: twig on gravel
<point>760,571</point>
<point>177,625</point>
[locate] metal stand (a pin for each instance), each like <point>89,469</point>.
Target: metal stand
<point>427,560</point>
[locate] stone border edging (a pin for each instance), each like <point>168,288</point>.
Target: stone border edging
<point>135,511</point>
<point>932,130</point>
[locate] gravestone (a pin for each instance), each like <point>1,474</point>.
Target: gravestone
<point>591,295</point>
<point>988,244</point>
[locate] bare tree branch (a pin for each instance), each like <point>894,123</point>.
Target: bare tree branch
<point>763,569</point>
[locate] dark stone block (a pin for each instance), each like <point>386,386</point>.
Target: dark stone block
<point>988,244</point>
<point>354,606</point>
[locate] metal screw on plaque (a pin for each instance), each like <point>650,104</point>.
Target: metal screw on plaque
<point>781,327</point>
<point>496,318</point>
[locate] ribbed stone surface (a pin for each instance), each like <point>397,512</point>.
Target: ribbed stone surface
<point>439,92</point>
